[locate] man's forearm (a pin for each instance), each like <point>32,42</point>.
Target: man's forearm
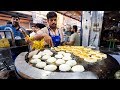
<point>39,36</point>
<point>70,43</point>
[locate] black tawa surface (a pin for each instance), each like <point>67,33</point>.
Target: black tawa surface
<point>104,69</point>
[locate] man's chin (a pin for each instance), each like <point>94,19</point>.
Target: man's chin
<point>53,27</point>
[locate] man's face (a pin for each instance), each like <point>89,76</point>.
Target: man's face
<point>36,29</point>
<point>15,20</point>
<point>33,29</point>
<point>52,22</point>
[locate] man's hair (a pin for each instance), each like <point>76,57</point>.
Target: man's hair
<point>75,27</point>
<point>51,15</point>
<point>15,16</point>
<point>40,25</point>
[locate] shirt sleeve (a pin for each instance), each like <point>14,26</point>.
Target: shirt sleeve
<point>72,37</point>
<point>43,30</point>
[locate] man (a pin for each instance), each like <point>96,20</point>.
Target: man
<point>16,31</point>
<point>7,26</point>
<point>68,32</point>
<point>38,36</point>
<point>39,26</point>
<point>51,34</point>
<point>16,21</point>
<point>52,30</point>
<point>36,28</point>
<point>74,38</point>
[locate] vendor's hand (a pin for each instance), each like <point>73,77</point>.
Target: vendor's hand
<point>28,41</point>
<point>48,40</point>
<point>64,43</point>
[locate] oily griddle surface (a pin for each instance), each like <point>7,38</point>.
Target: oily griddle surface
<point>104,69</point>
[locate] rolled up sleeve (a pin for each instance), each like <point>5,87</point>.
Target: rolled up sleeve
<point>72,37</point>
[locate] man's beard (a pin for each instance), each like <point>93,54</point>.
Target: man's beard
<point>53,26</point>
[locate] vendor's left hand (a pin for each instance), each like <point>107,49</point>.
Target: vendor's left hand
<point>48,40</point>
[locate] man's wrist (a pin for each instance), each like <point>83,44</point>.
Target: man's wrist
<point>32,38</point>
<point>66,43</point>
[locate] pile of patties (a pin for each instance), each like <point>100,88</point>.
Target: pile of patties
<point>49,61</point>
<point>84,53</point>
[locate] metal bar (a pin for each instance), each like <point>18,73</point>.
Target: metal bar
<point>81,32</point>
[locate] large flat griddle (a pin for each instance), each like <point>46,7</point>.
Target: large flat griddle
<point>104,69</point>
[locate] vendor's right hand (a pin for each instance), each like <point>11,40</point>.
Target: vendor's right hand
<point>28,41</point>
<point>64,43</point>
